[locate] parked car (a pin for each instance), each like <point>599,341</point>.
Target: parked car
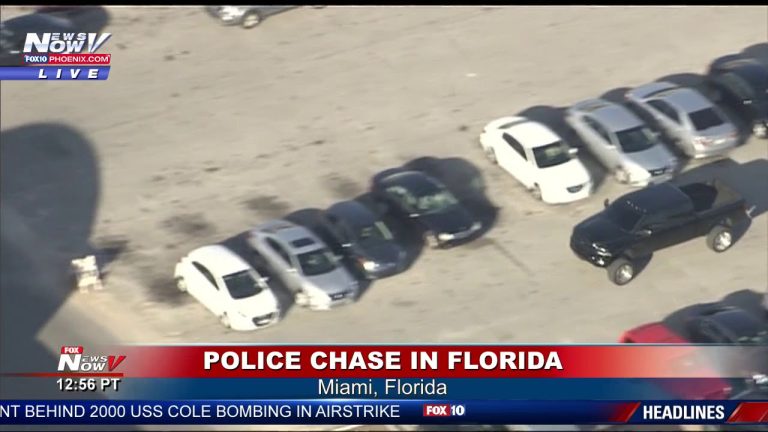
<point>698,127</point>
<point>741,84</point>
<point>656,217</point>
<point>622,142</point>
<point>304,264</point>
<point>13,34</point>
<point>415,196</point>
<point>695,389</point>
<point>356,233</point>
<point>538,158</point>
<point>245,16</point>
<point>765,301</point>
<point>229,287</point>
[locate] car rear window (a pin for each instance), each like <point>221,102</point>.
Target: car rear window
<point>306,241</point>
<point>706,118</point>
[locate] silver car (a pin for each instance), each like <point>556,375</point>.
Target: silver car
<point>621,142</point>
<point>698,127</point>
<point>305,265</point>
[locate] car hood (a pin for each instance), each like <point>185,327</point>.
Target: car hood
<point>333,282</point>
<point>598,229</point>
<point>652,158</point>
<point>450,221</point>
<point>567,174</point>
<point>263,303</point>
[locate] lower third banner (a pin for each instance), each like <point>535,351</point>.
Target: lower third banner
<point>350,411</point>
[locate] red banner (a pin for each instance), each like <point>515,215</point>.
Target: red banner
<point>407,361</point>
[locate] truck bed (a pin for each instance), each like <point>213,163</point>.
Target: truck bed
<point>710,195</point>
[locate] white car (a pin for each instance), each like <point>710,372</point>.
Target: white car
<point>229,287</point>
<point>538,158</point>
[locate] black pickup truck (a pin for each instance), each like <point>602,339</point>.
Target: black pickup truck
<point>656,217</point>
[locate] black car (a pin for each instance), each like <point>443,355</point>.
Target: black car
<point>422,199</point>
<point>727,325</point>
<point>13,34</point>
<point>353,231</point>
<point>741,84</point>
<point>656,217</point>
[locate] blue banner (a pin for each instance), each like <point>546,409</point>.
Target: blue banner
<point>351,411</point>
<point>455,388</point>
<point>54,73</point>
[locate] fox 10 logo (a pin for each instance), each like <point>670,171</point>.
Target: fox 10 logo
<point>72,359</point>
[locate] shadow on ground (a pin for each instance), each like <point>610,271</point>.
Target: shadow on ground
<point>49,190</point>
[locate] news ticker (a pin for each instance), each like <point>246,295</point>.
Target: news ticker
<point>55,73</point>
<point>355,411</point>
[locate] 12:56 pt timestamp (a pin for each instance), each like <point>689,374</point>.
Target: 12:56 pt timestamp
<point>87,384</point>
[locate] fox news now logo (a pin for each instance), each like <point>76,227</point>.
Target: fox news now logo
<point>61,56</point>
<point>73,360</point>
<point>65,43</point>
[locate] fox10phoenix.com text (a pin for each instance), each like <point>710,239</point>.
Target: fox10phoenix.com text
<point>390,385</point>
<point>54,56</point>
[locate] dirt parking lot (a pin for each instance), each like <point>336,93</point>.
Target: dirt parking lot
<point>203,131</point>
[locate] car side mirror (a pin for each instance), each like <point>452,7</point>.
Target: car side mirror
<point>606,203</point>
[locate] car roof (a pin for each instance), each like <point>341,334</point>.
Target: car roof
<point>684,98</point>
<point>657,197</point>
<point>353,212</point>
<point>736,321</point>
<point>611,115</point>
<point>532,134</point>
<point>219,259</point>
<point>298,238</point>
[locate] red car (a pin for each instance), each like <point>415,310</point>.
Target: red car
<point>695,389</point>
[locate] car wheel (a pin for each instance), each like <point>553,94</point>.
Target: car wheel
<point>181,284</point>
<point>621,271</point>
<point>224,318</point>
<point>760,130</point>
<point>536,192</point>
<point>621,175</point>
<point>490,153</point>
<point>251,20</point>
<point>430,239</point>
<point>720,239</point>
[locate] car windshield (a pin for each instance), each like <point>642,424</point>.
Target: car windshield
<point>242,285</point>
<point>551,154</point>
<point>624,214</point>
<point>706,118</point>
<point>373,234</point>
<point>636,139</point>
<point>435,202</point>
<point>317,262</point>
